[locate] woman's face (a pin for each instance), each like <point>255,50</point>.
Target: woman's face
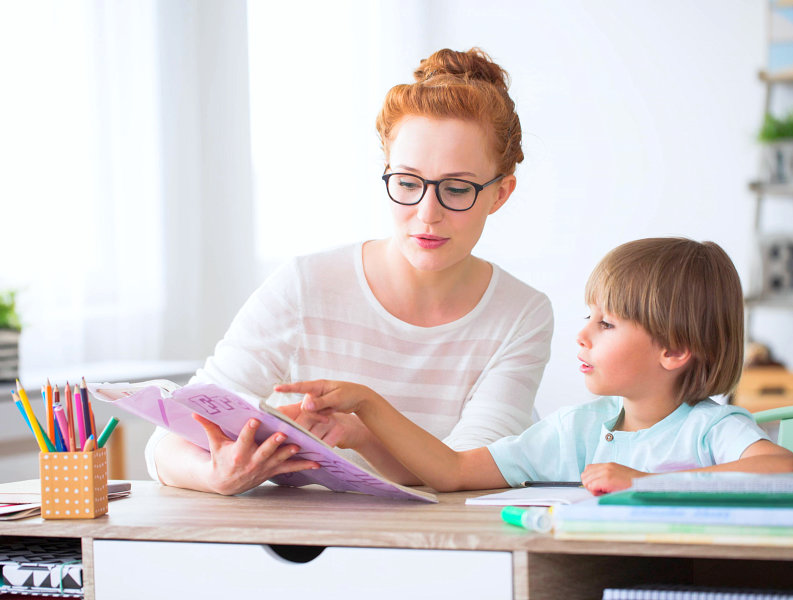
<point>431,237</point>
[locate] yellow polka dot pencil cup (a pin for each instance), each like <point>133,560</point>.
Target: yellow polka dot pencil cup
<point>73,484</point>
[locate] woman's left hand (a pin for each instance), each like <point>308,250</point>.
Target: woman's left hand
<point>603,478</point>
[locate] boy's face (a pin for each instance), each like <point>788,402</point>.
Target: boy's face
<point>619,358</point>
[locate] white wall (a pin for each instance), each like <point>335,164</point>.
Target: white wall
<point>639,120</point>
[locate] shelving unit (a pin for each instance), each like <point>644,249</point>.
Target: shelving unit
<point>774,289</point>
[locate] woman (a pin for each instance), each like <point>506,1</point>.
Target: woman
<point>452,341</point>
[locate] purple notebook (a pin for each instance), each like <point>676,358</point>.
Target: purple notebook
<point>167,405</point>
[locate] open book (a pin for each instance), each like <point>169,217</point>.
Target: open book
<point>533,496</point>
<point>166,404</point>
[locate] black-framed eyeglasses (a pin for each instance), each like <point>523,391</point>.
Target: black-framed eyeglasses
<point>454,194</point>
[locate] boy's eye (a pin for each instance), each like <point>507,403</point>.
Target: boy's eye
<point>606,325</point>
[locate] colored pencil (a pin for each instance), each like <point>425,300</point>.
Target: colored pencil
<point>60,432</point>
<point>78,409</point>
<point>44,444</point>
<point>63,427</point>
<point>111,425</point>
<point>45,430</point>
<point>60,443</point>
<point>89,444</point>
<point>50,414</point>
<point>70,418</point>
<point>89,430</point>
<point>18,404</point>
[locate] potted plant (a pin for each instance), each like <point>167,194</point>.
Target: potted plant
<point>776,135</point>
<point>10,329</point>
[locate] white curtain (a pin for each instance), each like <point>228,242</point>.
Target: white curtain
<point>318,74</point>
<point>138,223</point>
<point>80,184</point>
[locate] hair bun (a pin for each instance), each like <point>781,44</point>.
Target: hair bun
<point>474,64</point>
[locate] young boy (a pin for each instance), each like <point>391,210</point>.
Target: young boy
<point>665,331</point>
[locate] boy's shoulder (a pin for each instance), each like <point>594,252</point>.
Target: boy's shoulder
<point>603,407</point>
<point>709,409</point>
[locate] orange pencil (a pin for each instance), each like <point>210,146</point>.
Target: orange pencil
<point>70,418</point>
<point>50,413</point>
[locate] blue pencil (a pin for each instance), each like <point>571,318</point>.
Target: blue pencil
<point>22,410</point>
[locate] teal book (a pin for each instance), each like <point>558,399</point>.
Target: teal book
<point>707,489</point>
<point>654,527</point>
<point>591,510</point>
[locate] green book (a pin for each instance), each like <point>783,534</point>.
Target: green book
<point>665,527</point>
<point>707,489</point>
<point>686,498</point>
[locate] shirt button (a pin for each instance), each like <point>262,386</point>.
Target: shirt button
<point>609,437</point>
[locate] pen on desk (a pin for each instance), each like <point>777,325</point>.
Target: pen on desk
<point>111,425</point>
<point>552,484</point>
<point>44,444</point>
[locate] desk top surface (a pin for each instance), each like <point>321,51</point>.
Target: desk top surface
<point>314,516</point>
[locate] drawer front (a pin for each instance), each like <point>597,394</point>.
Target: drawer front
<point>153,570</point>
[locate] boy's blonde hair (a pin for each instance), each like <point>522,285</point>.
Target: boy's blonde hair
<point>686,295</point>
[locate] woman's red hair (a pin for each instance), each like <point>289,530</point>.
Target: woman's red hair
<point>459,85</point>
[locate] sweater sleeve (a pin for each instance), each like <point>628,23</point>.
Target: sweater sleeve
<point>502,400</point>
<point>254,355</point>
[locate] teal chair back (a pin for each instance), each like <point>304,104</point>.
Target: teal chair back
<point>785,417</point>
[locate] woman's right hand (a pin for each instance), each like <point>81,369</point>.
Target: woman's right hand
<point>235,466</point>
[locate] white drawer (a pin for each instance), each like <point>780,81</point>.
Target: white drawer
<point>168,570</point>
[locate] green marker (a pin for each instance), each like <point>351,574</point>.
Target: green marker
<point>533,518</point>
<point>111,425</point>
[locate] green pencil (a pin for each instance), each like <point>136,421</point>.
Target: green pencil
<point>111,425</point>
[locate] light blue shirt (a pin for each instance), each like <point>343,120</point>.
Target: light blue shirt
<point>561,445</point>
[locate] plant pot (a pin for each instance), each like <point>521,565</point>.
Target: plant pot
<point>777,164</point>
<point>9,354</point>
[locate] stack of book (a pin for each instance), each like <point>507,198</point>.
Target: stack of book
<point>688,508</point>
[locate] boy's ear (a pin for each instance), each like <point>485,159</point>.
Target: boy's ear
<point>671,360</point>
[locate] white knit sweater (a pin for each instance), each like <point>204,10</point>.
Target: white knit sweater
<point>468,382</point>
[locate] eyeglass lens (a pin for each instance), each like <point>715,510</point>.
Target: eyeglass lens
<point>454,193</point>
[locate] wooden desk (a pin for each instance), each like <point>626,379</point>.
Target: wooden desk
<point>173,531</point>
